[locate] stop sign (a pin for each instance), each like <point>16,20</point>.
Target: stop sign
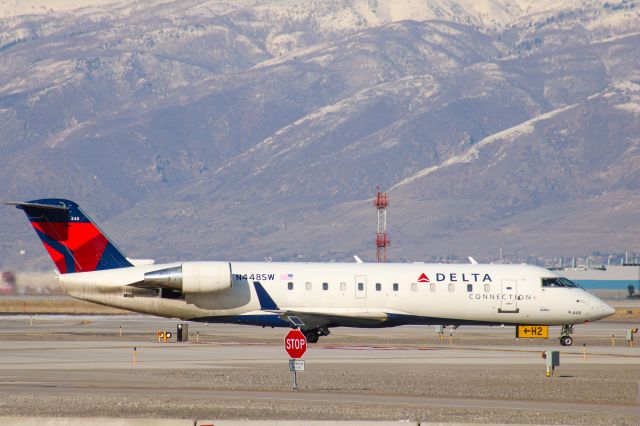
<point>295,343</point>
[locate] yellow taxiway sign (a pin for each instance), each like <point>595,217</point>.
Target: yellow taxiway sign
<point>532,331</point>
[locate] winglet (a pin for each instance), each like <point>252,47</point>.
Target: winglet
<point>358,260</point>
<point>266,302</point>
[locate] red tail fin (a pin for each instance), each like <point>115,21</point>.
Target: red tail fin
<point>73,241</point>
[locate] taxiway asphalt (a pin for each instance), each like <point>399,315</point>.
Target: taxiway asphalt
<point>82,365</point>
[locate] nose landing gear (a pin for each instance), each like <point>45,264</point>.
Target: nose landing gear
<point>565,335</point>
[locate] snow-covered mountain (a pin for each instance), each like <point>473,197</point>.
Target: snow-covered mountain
<point>261,128</point>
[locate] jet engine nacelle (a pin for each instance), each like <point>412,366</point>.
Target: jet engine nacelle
<point>192,277</point>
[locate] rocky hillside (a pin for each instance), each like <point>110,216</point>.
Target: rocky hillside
<point>214,130</point>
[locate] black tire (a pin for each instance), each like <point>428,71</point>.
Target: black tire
<point>312,336</point>
<point>566,340</point>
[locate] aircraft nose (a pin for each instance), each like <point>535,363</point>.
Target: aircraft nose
<point>601,308</point>
<point>608,310</point>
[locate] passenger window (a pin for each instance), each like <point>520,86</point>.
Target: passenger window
<point>469,288</point>
<point>432,287</point>
<point>452,287</point>
<point>378,286</point>
<point>360,286</point>
<point>308,286</point>
<point>290,285</point>
<point>487,288</point>
<point>395,286</point>
<point>414,287</point>
<point>343,286</point>
<point>325,286</point>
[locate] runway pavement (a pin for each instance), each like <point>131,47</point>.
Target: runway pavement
<point>78,366</point>
<point>78,355</point>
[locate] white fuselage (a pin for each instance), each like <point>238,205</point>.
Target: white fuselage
<point>355,294</point>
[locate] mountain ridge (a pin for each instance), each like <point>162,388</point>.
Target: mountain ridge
<point>240,130</point>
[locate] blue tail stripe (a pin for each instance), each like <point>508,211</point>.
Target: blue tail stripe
<point>60,248</point>
<point>112,258</point>
<point>266,302</point>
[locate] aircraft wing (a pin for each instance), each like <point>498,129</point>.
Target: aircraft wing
<point>318,319</point>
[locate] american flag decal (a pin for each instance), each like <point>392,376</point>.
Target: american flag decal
<point>286,277</point>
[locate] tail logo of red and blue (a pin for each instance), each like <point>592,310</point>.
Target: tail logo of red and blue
<point>73,241</point>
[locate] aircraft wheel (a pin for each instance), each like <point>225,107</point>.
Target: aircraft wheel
<point>566,340</point>
<point>312,336</point>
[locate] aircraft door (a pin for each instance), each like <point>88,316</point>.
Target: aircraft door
<point>361,286</point>
<point>509,297</point>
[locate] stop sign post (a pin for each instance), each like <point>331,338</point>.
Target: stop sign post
<point>295,343</point>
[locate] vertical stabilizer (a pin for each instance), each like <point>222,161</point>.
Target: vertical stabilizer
<point>73,241</point>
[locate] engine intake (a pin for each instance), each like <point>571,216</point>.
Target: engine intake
<point>192,277</point>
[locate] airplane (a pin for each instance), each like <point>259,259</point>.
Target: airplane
<point>313,297</point>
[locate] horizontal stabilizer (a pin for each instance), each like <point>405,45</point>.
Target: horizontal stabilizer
<point>37,206</point>
<point>141,262</point>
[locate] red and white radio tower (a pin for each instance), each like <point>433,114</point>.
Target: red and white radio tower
<point>382,241</point>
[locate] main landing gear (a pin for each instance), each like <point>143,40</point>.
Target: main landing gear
<point>565,338</point>
<point>314,334</point>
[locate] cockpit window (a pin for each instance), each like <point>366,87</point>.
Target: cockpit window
<point>559,282</point>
